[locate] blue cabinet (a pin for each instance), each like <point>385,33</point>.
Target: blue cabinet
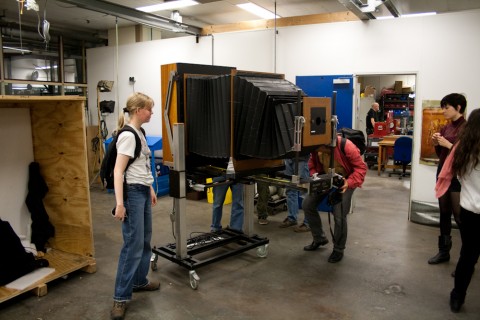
<point>323,86</point>
<point>159,172</point>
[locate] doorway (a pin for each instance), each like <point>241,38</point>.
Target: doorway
<point>395,94</point>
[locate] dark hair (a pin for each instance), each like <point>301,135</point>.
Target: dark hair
<point>468,149</point>
<point>455,100</point>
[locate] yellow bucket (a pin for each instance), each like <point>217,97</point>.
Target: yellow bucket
<point>228,197</point>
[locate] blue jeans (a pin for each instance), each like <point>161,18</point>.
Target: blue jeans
<point>236,216</point>
<point>292,194</point>
<point>134,260</point>
<point>340,211</point>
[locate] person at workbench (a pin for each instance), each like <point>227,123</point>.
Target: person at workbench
<point>372,116</point>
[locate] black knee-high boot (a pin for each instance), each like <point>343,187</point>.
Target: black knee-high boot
<point>444,246</point>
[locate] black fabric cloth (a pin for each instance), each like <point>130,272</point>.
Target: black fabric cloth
<point>371,114</point>
<point>15,262</point>
<point>42,229</point>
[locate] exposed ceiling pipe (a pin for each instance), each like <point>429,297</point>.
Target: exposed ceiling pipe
<point>133,15</point>
<point>12,29</point>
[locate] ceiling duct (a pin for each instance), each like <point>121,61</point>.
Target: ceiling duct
<point>355,9</point>
<point>367,6</point>
<point>133,15</point>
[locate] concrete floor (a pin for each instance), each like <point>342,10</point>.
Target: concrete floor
<point>384,274</point>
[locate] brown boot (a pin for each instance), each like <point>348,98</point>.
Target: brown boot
<point>118,310</point>
<point>150,286</point>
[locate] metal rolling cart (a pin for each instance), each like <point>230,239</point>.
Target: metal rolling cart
<point>187,252</point>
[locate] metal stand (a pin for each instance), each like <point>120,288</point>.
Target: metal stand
<point>184,251</point>
<point>101,151</point>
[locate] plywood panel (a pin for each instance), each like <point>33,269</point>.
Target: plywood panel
<point>311,135</point>
<point>60,149</point>
<point>92,155</point>
<point>64,263</point>
<point>59,146</point>
<point>173,114</point>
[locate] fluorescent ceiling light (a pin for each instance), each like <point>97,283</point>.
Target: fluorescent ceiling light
<point>17,49</point>
<point>408,15</point>
<point>418,14</point>
<point>384,18</point>
<point>257,10</point>
<point>45,68</point>
<point>168,5</point>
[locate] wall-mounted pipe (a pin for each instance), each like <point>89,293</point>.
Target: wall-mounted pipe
<point>275,41</point>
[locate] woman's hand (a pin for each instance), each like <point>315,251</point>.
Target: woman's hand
<point>153,196</point>
<point>120,212</point>
<point>444,142</point>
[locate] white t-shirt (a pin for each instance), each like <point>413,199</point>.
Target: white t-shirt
<point>139,172</point>
<point>470,194</point>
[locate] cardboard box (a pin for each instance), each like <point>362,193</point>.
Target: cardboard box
<point>398,86</point>
<point>407,90</point>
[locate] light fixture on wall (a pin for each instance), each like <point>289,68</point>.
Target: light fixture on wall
<point>257,10</point>
<point>168,6</point>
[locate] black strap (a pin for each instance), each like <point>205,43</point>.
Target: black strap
<point>330,225</point>
<point>136,154</point>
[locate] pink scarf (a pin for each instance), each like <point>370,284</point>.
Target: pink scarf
<point>446,175</point>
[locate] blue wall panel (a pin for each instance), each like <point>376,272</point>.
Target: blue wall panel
<point>323,86</point>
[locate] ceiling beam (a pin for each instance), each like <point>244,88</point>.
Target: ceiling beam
<point>391,7</point>
<point>280,22</point>
<point>134,15</point>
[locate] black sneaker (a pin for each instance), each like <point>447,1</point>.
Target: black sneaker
<point>315,244</point>
<point>335,257</point>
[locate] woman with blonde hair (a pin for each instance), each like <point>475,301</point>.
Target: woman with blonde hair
<point>134,196</point>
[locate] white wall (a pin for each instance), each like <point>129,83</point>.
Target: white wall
<point>16,141</point>
<point>143,61</point>
<point>441,50</point>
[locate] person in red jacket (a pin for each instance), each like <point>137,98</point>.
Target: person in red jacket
<point>350,165</point>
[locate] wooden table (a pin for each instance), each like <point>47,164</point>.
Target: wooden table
<point>383,146</point>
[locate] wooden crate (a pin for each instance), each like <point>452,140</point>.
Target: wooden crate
<point>59,146</point>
